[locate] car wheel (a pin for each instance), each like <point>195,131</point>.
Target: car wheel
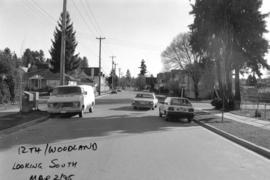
<point>51,115</point>
<point>166,116</point>
<point>160,114</point>
<point>190,119</point>
<point>81,114</point>
<point>91,109</point>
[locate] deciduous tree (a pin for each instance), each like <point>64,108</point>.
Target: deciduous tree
<point>179,55</point>
<point>84,62</point>
<point>32,57</point>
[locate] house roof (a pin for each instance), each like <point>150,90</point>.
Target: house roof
<point>22,68</point>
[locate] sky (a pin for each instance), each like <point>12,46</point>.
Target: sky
<point>134,29</point>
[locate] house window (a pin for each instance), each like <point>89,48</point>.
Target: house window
<point>43,83</point>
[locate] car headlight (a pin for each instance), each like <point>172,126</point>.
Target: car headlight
<point>76,104</point>
<point>191,110</point>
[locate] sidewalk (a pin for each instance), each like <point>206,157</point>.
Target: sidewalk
<point>251,133</point>
<point>247,120</point>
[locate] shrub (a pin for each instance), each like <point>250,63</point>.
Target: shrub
<point>228,104</point>
<point>217,103</point>
<point>257,113</point>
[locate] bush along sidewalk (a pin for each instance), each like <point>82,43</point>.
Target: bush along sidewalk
<point>257,138</point>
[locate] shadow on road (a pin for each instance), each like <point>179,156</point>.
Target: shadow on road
<point>73,128</point>
<point>130,108</point>
<point>108,101</point>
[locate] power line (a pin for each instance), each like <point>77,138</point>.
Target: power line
<point>90,18</point>
<point>30,6</point>
<point>134,47</point>
<point>134,44</point>
<point>91,12</point>
<point>43,10</point>
<point>86,46</point>
<point>82,17</point>
<point>96,24</point>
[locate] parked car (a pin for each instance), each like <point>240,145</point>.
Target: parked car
<point>114,91</point>
<point>161,98</point>
<point>71,100</point>
<point>176,107</point>
<point>145,100</point>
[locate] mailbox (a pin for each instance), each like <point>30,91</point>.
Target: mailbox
<point>36,98</point>
<point>27,101</point>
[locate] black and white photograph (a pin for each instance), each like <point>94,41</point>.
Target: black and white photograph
<point>134,90</point>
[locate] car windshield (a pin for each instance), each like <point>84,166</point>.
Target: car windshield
<point>181,102</point>
<point>148,96</point>
<point>67,90</point>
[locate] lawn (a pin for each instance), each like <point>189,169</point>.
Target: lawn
<point>12,119</point>
<point>256,135</point>
<point>262,114</point>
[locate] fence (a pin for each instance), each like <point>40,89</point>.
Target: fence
<point>256,101</point>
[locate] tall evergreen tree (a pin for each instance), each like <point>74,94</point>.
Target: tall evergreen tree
<point>84,62</point>
<point>8,73</point>
<point>128,78</point>
<point>251,80</point>
<point>143,69</point>
<point>231,33</point>
<point>112,80</point>
<point>72,61</point>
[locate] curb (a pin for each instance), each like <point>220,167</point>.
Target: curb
<point>251,146</point>
<point>24,125</point>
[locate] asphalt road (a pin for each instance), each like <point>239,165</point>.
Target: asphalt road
<point>117,142</point>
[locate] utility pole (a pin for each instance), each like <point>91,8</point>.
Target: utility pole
<point>63,45</point>
<point>99,77</point>
<point>119,80</point>
<point>115,73</point>
<point>119,70</point>
<point>112,69</point>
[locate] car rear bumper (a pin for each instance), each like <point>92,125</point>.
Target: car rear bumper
<point>180,114</point>
<point>139,105</point>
